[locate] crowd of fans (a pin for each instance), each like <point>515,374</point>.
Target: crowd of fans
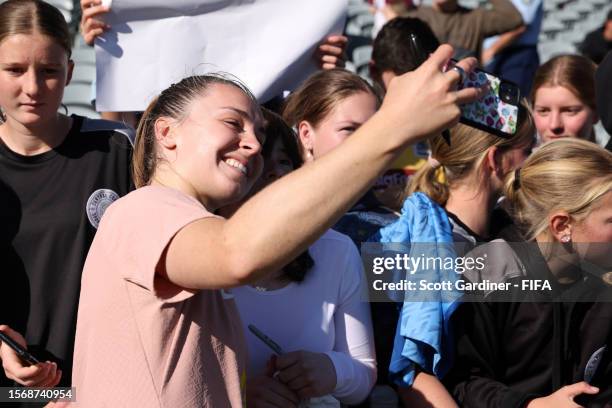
<point>140,257</point>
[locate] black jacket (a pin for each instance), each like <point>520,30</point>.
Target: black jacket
<point>511,352</point>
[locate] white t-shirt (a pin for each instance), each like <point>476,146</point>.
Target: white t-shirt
<point>325,313</point>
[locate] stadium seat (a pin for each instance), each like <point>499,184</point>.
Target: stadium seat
<point>84,73</point>
<point>67,5</point>
<point>83,111</point>
<point>84,56</point>
<point>552,26</point>
<point>355,9</point>
<point>365,23</point>
<point>352,28</point>
<point>362,56</point>
<point>77,94</point>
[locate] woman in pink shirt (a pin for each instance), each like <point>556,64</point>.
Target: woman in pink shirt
<point>155,327</point>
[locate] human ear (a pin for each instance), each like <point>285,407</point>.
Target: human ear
<point>560,225</point>
<point>306,135</point>
<point>69,71</point>
<point>164,133</point>
<point>492,162</point>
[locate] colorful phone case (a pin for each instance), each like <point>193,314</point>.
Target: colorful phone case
<point>490,113</point>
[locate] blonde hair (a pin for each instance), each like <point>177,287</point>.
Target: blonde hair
<point>453,163</point>
<point>568,174</point>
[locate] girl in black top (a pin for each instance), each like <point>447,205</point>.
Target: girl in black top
<point>525,347</point>
<point>57,176</point>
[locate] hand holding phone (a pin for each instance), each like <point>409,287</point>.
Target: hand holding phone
<point>21,366</point>
<point>497,112</point>
<point>23,354</point>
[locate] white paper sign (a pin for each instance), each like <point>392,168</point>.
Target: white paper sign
<point>268,44</point>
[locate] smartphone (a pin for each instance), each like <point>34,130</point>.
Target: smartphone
<point>497,112</point>
<point>267,341</point>
<point>21,352</point>
<point>595,375</point>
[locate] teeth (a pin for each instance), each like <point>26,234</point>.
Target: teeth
<point>236,164</point>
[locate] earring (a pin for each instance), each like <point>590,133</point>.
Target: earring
<point>566,238</point>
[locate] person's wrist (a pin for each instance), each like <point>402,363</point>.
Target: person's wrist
<point>534,403</point>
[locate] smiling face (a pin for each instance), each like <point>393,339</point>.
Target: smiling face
<point>34,69</point>
<point>559,113</point>
<point>339,124</point>
<point>215,150</point>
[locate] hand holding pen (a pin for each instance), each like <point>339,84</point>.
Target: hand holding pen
<point>306,373</point>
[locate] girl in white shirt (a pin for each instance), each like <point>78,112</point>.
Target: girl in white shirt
<point>313,308</point>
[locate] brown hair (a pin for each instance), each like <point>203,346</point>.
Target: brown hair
<point>465,153</point>
<point>31,16</point>
<point>395,50</point>
<point>172,103</point>
<point>276,128</point>
<point>568,174</point>
<point>573,72</point>
<point>320,94</point>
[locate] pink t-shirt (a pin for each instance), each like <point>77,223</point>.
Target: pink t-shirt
<point>142,341</point>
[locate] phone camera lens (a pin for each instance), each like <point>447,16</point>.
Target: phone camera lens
<point>506,92</point>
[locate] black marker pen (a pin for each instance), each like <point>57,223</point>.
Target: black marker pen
<point>268,341</point>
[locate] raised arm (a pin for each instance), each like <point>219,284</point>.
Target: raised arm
<point>216,253</point>
<point>503,42</point>
<point>500,18</point>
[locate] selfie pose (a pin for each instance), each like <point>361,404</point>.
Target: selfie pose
<point>58,174</point>
<point>153,325</point>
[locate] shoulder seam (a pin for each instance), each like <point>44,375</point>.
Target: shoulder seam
<point>96,125</point>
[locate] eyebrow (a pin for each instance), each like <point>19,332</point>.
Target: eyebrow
<point>350,122</point>
<point>19,64</point>
<point>245,115</point>
<point>238,111</point>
